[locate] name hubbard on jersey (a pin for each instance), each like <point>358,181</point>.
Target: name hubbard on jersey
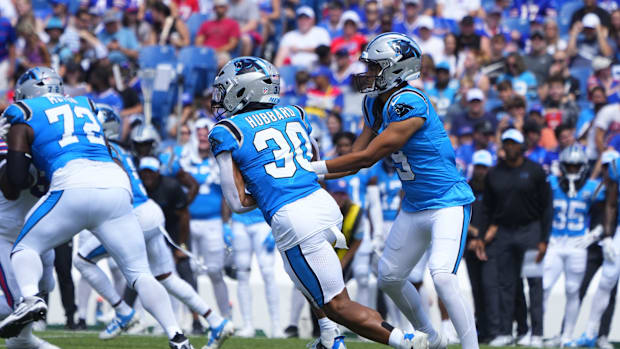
<point>269,116</point>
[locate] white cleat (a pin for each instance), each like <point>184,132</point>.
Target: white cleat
<point>29,310</point>
<point>32,342</point>
<point>553,342</point>
<point>246,332</point>
<point>415,340</point>
<point>501,341</point>
<point>441,343</point>
<point>603,343</point>
<point>536,342</point>
<point>119,325</point>
<point>276,332</point>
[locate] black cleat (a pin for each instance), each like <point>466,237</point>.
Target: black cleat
<point>29,310</point>
<point>81,325</point>
<point>180,342</point>
<point>291,332</point>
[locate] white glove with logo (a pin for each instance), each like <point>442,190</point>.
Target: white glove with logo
<point>4,127</point>
<point>609,250</point>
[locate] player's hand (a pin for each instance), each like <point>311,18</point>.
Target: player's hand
<point>542,249</point>
<point>178,254</point>
<point>4,127</point>
<point>477,246</point>
<point>609,250</point>
<point>590,237</point>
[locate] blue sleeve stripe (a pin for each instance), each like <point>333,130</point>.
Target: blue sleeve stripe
<point>232,128</point>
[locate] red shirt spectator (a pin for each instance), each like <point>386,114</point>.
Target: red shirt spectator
<point>185,8</point>
<point>222,33</point>
<point>351,40</point>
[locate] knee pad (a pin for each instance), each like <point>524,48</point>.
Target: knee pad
<point>389,273</point>
<point>80,262</point>
<point>243,260</point>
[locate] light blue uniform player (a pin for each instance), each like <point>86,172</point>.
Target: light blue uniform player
<point>151,219</point>
<point>206,225</point>
<point>87,191</point>
<point>266,150</point>
<point>252,235</point>
<point>435,211</point>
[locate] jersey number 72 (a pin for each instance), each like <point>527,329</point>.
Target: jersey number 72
<point>91,126</point>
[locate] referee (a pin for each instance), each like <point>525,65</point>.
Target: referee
<point>518,211</point>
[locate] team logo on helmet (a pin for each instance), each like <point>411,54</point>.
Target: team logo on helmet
<point>403,47</point>
<point>246,65</point>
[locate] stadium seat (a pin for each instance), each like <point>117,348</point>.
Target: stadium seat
<point>199,66</point>
<point>287,74</point>
<point>566,12</point>
<point>152,56</point>
<point>582,73</point>
<point>193,24</point>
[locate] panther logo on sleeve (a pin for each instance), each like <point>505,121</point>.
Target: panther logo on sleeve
<point>402,108</point>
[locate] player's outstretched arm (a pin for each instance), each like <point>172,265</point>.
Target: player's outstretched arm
<point>389,141</point>
<point>364,138</point>
<point>233,186</point>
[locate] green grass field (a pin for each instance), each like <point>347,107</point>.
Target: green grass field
<point>89,340</point>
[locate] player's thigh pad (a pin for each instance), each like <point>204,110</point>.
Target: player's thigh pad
<point>121,235</point>
<point>449,235</point>
<point>8,283</point>
<point>314,268</point>
<point>150,216</point>
<point>405,244</point>
<point>553,264</point>
<point>159,254</point>
<point>417,274</point>
<point>576,261</point>
<point>56,217</point>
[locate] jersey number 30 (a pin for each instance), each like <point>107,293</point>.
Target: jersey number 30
<point>69,136</point>
<point>288,157</point>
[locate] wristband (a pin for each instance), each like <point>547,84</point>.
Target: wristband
<point>319,167</point>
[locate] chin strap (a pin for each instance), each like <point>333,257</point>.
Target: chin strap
<point>572,189</point>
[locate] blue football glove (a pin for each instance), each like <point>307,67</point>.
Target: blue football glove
<point>270,242</point>
<point>228,235</point>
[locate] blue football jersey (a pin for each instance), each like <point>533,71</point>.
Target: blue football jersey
<point>426,163</point>
<point>571,216</point>
<point>272,149</point>
<point>249,218</point>
<point>137,188</point>
<point>208,202</point>
<point>614,175</point>
<point>64,128</point>
<point>389,189</point>
<point>170,161</point>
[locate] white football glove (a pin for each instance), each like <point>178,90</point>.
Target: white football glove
<point>609,250</point>
<point>590,237</point>
<point>4,127</point>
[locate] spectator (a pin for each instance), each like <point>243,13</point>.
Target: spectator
<point>372,24</point>
<point>344,70</point>
<point>297,46</point>
<point>518,218</point>
<point>538,60</point>
<point>460,106</point>
<point>565,136</point>
<point>590,6</point>
<point>492,25</point>
<point>271,19</point>
<point>101,88</point>
<point>560,67</point>
<point>35,52</point>
<point>410,21</point>
<point>468,39</point>
<point>8,37</point>
<point>351,40</point>
<point>72,35</point>
<point>121,42</point>
<point>552,36</point>
<point>323,97</point>
<point>606,126</point>
<point>505,94</point>
<point>517,110</point>
<point>183,9</point>
<point>474,113</point>
<point>471,69</point>
<point>598,99</point>
<point>457,10</point>
<point>387,22</point>
<point>58,51</point>
<point>442,91</point>
<point>245,12</point>
<point>602,77</point>
<point>532,133</point>
<point>548,139</point>
<point>523,81</point>
<point>73,80</point>
<point>60,11</point>
<point>479,139</point>
<point>427,41</point>
<point>298,93</point>
<point>222,33</point>
<point>588,39</point>
<point>324,56</point>
<point>333,22</point>
<point>495,64</point>
<point>452,55</point>
<point>558,107</point>
<point>167,30</point>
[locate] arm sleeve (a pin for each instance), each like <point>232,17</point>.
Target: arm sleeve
<point>227,179</point>
<point>406,105</point>
<point>224,137</point>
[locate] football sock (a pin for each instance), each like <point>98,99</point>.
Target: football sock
<point>28,270</point>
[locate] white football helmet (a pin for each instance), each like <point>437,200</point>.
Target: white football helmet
<point>574,155</point>
<point>395,57</point>
<point>38,81</point>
